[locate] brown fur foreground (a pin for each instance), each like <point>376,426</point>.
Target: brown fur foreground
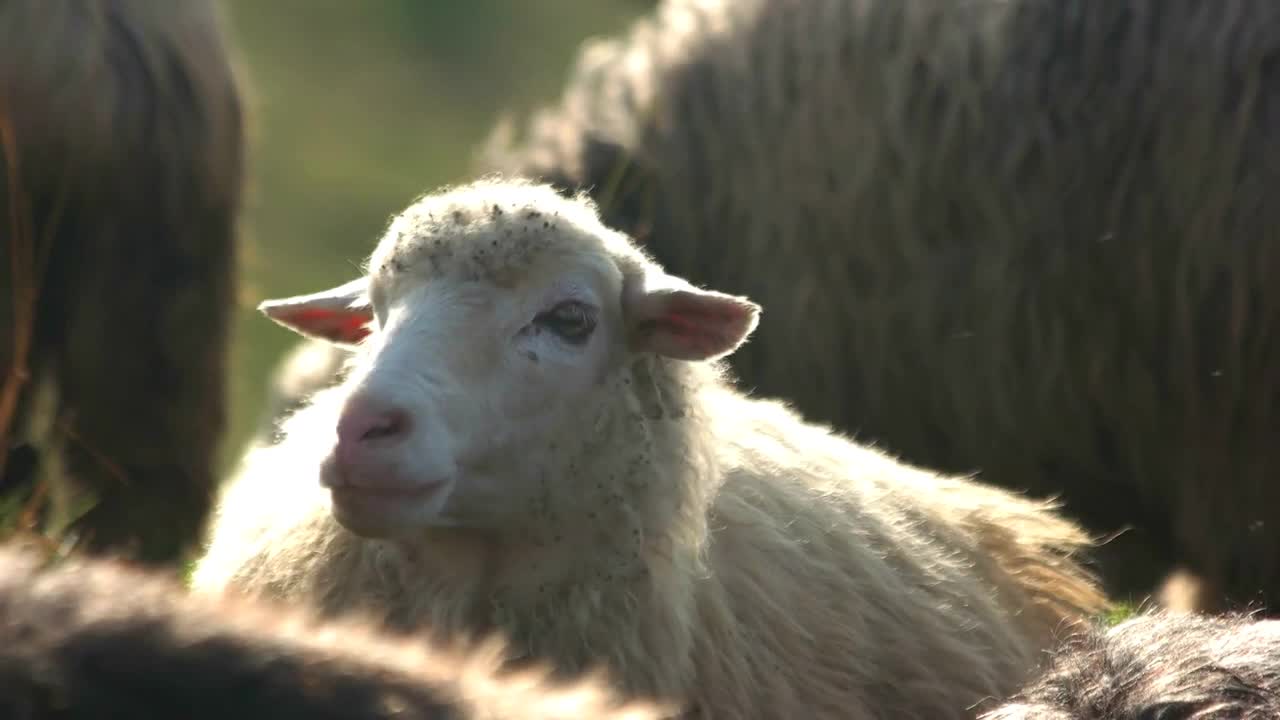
<point>121,166</point>
<point>95,640</point>
<point>1161,667</point>
<point>1034,238</point>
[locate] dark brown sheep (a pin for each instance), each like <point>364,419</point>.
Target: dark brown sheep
<point>122,151</point>
<point>95,639</point>
<point>1032,239</point>
<point>1160,666</point>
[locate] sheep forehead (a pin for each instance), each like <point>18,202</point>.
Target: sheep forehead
<point>495,232</point>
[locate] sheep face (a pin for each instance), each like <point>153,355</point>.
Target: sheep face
<point>490,326</point>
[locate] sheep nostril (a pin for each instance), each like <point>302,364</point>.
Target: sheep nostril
<point>365,424</point>
<point>392,424</point>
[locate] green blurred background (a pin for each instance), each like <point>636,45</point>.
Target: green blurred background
<point>358,107</point>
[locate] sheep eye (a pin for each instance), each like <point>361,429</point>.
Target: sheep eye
<point>570,320</point>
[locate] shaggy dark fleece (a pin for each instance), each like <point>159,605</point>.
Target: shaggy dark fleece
<point>1161,667</point>
<point>95,640</point>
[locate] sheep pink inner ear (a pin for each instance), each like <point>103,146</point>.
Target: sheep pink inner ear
<point>672,318</point>
<point>340,315</point>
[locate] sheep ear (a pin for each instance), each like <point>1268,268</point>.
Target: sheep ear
<point>339,315</point>
<point>668,316</point>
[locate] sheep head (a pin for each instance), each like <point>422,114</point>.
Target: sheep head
<point>491,327</point>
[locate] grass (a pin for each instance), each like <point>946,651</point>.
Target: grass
<point>1119,612</point>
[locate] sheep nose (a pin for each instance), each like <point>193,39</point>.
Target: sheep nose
<point>367,424</point>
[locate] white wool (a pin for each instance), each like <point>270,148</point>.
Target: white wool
<point>609,505</point>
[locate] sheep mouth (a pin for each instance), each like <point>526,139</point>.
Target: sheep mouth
<point>374,482</point>
<point>373,497</point>
<point>385,511</point>
<point>381,496</point>
<point>388,491</point>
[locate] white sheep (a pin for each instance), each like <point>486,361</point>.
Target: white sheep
<point>535,438</point>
